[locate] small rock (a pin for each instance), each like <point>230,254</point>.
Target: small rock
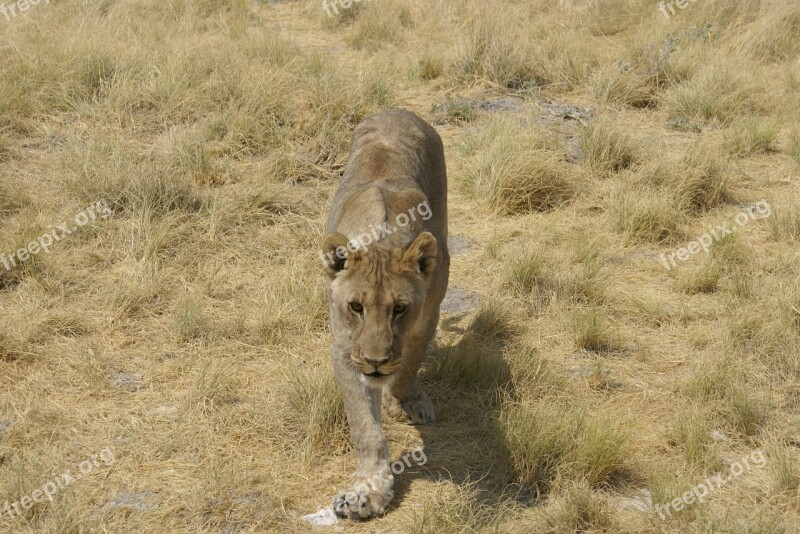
<point>458,301</point>
<point>567,111</point>
<point>250,498</point>
<point>574,150</point>
<point>127,381</point>
<point>458,245</point>
<point>718,436</point>
<point>323,518</point>
<point>133,501</point>
<point>508,104</point>
<point>641,501</point>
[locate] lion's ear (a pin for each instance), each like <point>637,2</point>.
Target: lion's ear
<point>421,253</point>
<point>334,253</point>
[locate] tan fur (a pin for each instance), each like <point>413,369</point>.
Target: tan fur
<point>396,169</point>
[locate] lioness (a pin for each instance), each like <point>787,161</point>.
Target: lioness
<point>387,265</point>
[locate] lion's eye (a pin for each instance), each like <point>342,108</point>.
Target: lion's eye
<point>400,309</point>
<point>356,307</point>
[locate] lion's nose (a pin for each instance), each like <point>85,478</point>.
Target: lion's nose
<point>375,363</point>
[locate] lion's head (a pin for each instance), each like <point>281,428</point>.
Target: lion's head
<point>377,295</point>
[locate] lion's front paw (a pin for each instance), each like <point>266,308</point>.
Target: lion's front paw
<point>418,410</point>
<point>361,503</point>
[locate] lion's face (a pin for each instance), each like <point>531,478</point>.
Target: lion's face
<point>377,295</point>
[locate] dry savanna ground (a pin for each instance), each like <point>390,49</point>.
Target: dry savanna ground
<point>578,382</point>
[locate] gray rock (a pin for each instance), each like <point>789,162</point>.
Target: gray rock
<point>127,381</point>
<point>133,501</point>
<point>641,501</point>
<point>459,302</point>
<point>323,518</point>
<point>508,104</point>
<point>567,111</point>
<point>458,245</point>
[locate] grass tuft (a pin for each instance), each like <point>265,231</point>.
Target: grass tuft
<point>785,469</point>
<point>539,439</point>
<point>529,276</point>
<point>190,320</point>
<point>747,137</point>
<point>702,279</point>
<point>546,440</point>
<point>723,385</point>
<point>581,510</point>
<point>314,412</point>
<point>719,94</point>
<point>456,109</point>
<point>515,170</point>
<point>456,509</point>
<point>646,215</point>
<point>594,333</point>
<point>784,222</point>
<point>693,434</point>
<point>704,180</point>
<point>377,24</point>
<point>608,149</point>
<point>487,52</point>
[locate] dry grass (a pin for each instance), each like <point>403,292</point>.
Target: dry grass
<point>188,332</point>
<point>608,148</point>
<point>517,168</point>
<point>543,447</point>
<point>718,94</point>
<point>646,214</point>
<point>747,137</point>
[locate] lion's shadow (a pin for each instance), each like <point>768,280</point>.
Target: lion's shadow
<point>467,381</point>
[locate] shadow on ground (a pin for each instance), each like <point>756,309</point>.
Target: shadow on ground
<point>467,382</point>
